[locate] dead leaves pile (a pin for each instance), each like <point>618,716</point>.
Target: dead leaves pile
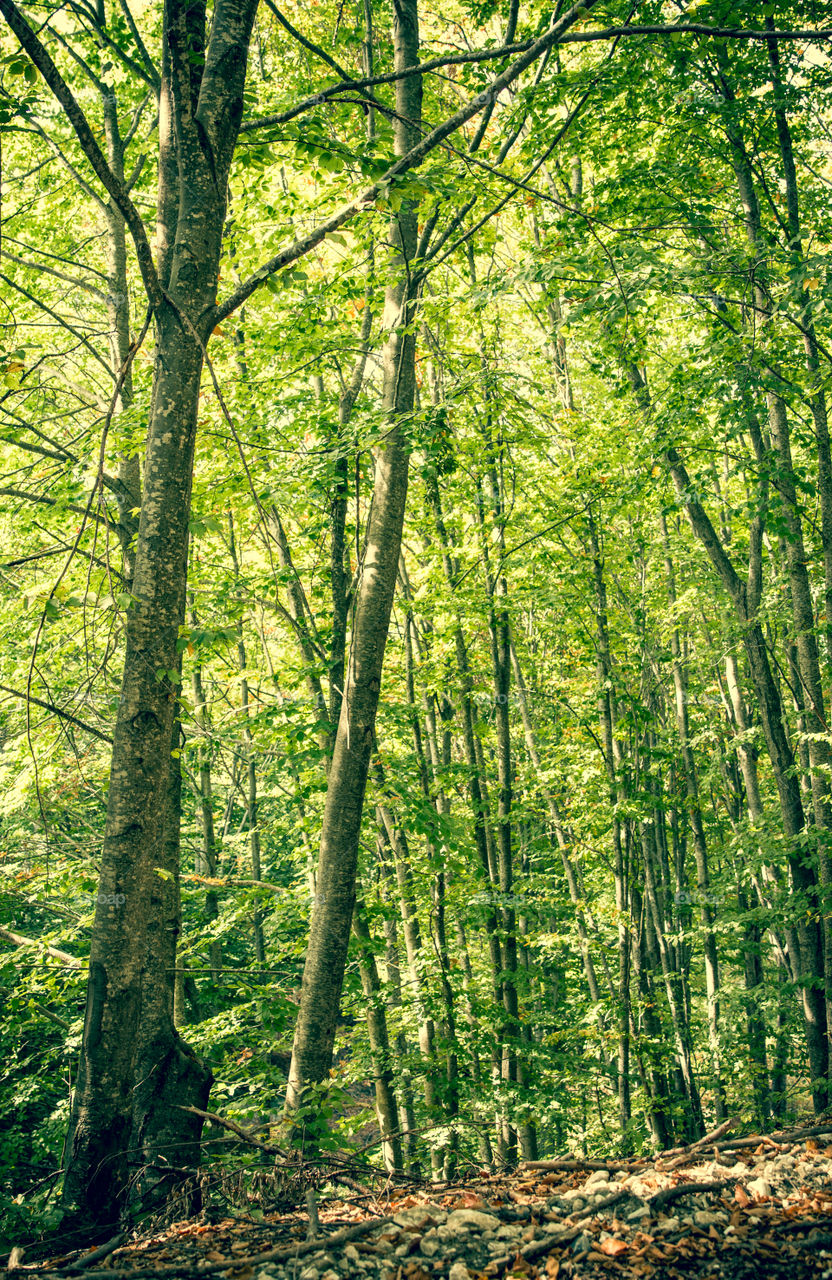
<point>723,1214</point>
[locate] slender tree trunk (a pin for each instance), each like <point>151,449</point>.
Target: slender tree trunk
<point>415,963</point>
<point>700,846</point>
<point>387,1110</point>
<point>331,919</point>
<point>394,982</point>
<point>820,755</point>
<point>250,762</point>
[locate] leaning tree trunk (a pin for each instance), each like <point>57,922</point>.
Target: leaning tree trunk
<point>326,953</point>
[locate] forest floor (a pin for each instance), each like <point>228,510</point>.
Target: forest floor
<point>757,1208</point>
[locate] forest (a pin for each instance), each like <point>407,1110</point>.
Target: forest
<point>415,592</point>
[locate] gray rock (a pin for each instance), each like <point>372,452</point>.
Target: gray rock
<point>430,1247</point>
<point>472,1219</point>
<point>459,1271</point>
<point>758,1188</point>
<point>637,1214</point>
<point>351,1254</point>
<point>415,1216</point>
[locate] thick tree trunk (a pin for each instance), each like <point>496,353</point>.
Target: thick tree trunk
<point>96,1174</point>
<point>169,1076</point>
<point>205,100</point>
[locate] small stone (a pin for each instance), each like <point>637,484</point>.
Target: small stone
<point>641,1212</point>
<point>472,1218</point>
<point>309,1273</point>
<point>330,1275</point>
<point>600,1175</point>
<point>578,1204</point>
<point>703,1218</point>
<point>582,1243</point>
<point>758,1188</point>
<point>430,1247</point>
<point>459,1271</point>
<point>351,1254</point>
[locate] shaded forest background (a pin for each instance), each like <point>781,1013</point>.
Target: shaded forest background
<point>592,903</point>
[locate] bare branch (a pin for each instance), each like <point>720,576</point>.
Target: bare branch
<point>112,184</point>
<point>408,161</point>
<point>50,706</point>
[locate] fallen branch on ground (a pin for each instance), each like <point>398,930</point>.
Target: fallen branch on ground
<point>709,1138</point>
<point>662,1198</point>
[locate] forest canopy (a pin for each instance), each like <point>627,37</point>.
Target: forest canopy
<point>416,573</point>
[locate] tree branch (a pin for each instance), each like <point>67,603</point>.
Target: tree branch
<point>112,185</point>
<point>411,158</point>
<point>50,706</point>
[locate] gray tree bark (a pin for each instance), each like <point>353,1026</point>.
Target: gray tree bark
<point>332,916</point>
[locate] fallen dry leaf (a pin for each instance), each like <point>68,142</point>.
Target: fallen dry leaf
<point>612,1247</point>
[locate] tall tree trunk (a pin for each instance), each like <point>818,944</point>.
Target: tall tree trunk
<point>332,916</point>
<point>169,1076</point>
<point>820,754</point>
<point>411,928</point>
<point>745,598</point>
<point>250,761</point>
<point>387,1110</point>
<point>700,846</point>
<point>205,101</point>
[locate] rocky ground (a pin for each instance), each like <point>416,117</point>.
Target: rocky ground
<point>744,1209</point>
